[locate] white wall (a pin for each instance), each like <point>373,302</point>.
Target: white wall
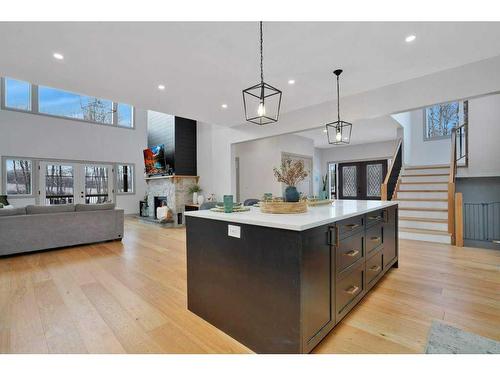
<point>484,137</point>
<point>38,136</point>
<point>416,150</point>
<point>257,159</point>
<point>368,151</point>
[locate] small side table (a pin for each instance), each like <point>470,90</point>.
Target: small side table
<point>191,207</point>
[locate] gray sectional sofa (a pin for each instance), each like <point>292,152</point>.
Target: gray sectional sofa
<point>34,228</point>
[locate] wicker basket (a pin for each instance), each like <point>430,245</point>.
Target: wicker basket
<point>283,207</point>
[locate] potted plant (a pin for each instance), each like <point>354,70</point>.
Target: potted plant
<point>290,173</point>
<point>195,189</point>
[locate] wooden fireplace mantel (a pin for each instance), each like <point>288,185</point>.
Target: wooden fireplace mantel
<point>175,178</point>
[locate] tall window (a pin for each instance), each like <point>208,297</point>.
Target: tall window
<point>66,104</point>
<point>96,184</point>
<point>17,94</point>
<point>18,173</point>
<point>125,117</point>
<point>59,184</point>
<point>440,119</point>
<point>125,178</point>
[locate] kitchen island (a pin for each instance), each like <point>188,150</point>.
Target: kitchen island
<point>280,283</point>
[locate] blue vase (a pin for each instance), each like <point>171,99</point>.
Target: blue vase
<point>291,194</point>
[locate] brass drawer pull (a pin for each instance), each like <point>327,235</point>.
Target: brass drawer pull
<point>351,226</point>
<point>352,253</point>
<point>352,290</point>
<point>375,239</point>
<point>375,268</point>
<point>375,217</point>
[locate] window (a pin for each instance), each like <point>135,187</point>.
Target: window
<point>96,184</point>
<point>18,176</point>
<point>440,119</point>
<point>125,178</point>
<point>66,104</point>
<point>124,115</point>
<point>23,96</point>
<point>59,184</point>
<point>17,94</point>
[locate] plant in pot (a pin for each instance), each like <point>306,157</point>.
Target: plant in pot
<point>195,189</point>
<point>291,172</point>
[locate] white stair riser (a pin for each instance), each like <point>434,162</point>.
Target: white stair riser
<point>423,225</point>
<point>429,179</point>
<point>411,194</point>
<point>423,204</point>
<point>424,214</point>
<point>423,187</point>
<point>425,237</point>
<point>426,171</point>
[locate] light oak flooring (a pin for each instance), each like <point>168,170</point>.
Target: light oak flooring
<point>130,297</point>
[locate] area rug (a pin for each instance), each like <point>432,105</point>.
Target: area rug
<point>445,339</point>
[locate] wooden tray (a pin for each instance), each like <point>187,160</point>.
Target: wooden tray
<point>320,202</point>
<point>283,207</point>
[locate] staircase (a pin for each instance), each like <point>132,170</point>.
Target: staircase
<point>422,194</point>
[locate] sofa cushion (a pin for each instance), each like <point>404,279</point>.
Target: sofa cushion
<point>94,207</point>
<point>34,210</point>
<point>3,200</point>
<point>13,211</point>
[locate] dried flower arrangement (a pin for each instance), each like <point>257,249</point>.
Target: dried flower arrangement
<point>290,172</point>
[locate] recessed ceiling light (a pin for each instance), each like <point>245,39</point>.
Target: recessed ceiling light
<point>161,87</point>
<point>291,81</point>
<point>410,38</point>
<point>58,56</point>
<point>224,106</point>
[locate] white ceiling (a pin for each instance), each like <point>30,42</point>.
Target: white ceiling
<point>206,64</point>
<point>364,131</point>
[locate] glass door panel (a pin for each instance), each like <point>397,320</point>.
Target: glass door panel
<point>98,184</point>
<point>57,183</point>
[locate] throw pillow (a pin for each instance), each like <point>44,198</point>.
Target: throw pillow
<point>3,200</point>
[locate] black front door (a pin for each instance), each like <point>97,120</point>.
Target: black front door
<point>361,180</point>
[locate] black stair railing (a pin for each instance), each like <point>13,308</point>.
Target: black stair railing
<point>391,179</point>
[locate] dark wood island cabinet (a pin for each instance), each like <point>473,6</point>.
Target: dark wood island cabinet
<point>279,284</point>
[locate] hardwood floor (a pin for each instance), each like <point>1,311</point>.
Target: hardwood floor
<point>130,297</point>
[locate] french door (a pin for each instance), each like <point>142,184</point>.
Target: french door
<point>69,183</point>
<point>361,180</point>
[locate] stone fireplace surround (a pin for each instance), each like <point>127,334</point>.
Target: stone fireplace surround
<point>174,189</point>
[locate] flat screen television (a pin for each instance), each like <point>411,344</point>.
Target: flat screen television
<point>154,160</point>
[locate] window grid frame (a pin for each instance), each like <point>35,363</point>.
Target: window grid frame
<point>34,110</point>
<point>34,169</point>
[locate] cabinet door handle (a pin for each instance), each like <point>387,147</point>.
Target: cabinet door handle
<point>351,226</point>
<point>375,239</point>
<point>374,217</point>
<point>375,268</point>
<point>352,253</point>
<point>352,290</point>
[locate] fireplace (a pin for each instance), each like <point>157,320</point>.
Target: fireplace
<point>159,202</point>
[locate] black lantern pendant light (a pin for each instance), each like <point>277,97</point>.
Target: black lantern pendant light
<point>262,102</point>
<point>339,132</point>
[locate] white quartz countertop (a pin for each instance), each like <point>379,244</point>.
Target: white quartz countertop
<point>315,216</point>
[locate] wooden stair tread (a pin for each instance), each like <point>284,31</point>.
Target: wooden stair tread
<point>423,191</point>
<point>426,175</point>
<point>423,199</point>
<point>423,182</point>
<point>422,209</point>
<point>425,231</point>
<point>423,219</point>
<point>417,167</point>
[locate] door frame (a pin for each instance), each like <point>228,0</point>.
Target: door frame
<point>360,177</point>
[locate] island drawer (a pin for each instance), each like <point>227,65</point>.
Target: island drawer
<point>350,226</point>
<point>374,218</point>
<point>348,289</point>
<point>373,237</point>
<point>349,250</point>
<point>374,266</point>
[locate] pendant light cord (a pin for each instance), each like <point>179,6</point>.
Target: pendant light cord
<point>261,55</point>
<point>338,101</point>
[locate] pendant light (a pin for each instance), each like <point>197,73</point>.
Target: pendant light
<point>338,132</point>
<point>262,101</point>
